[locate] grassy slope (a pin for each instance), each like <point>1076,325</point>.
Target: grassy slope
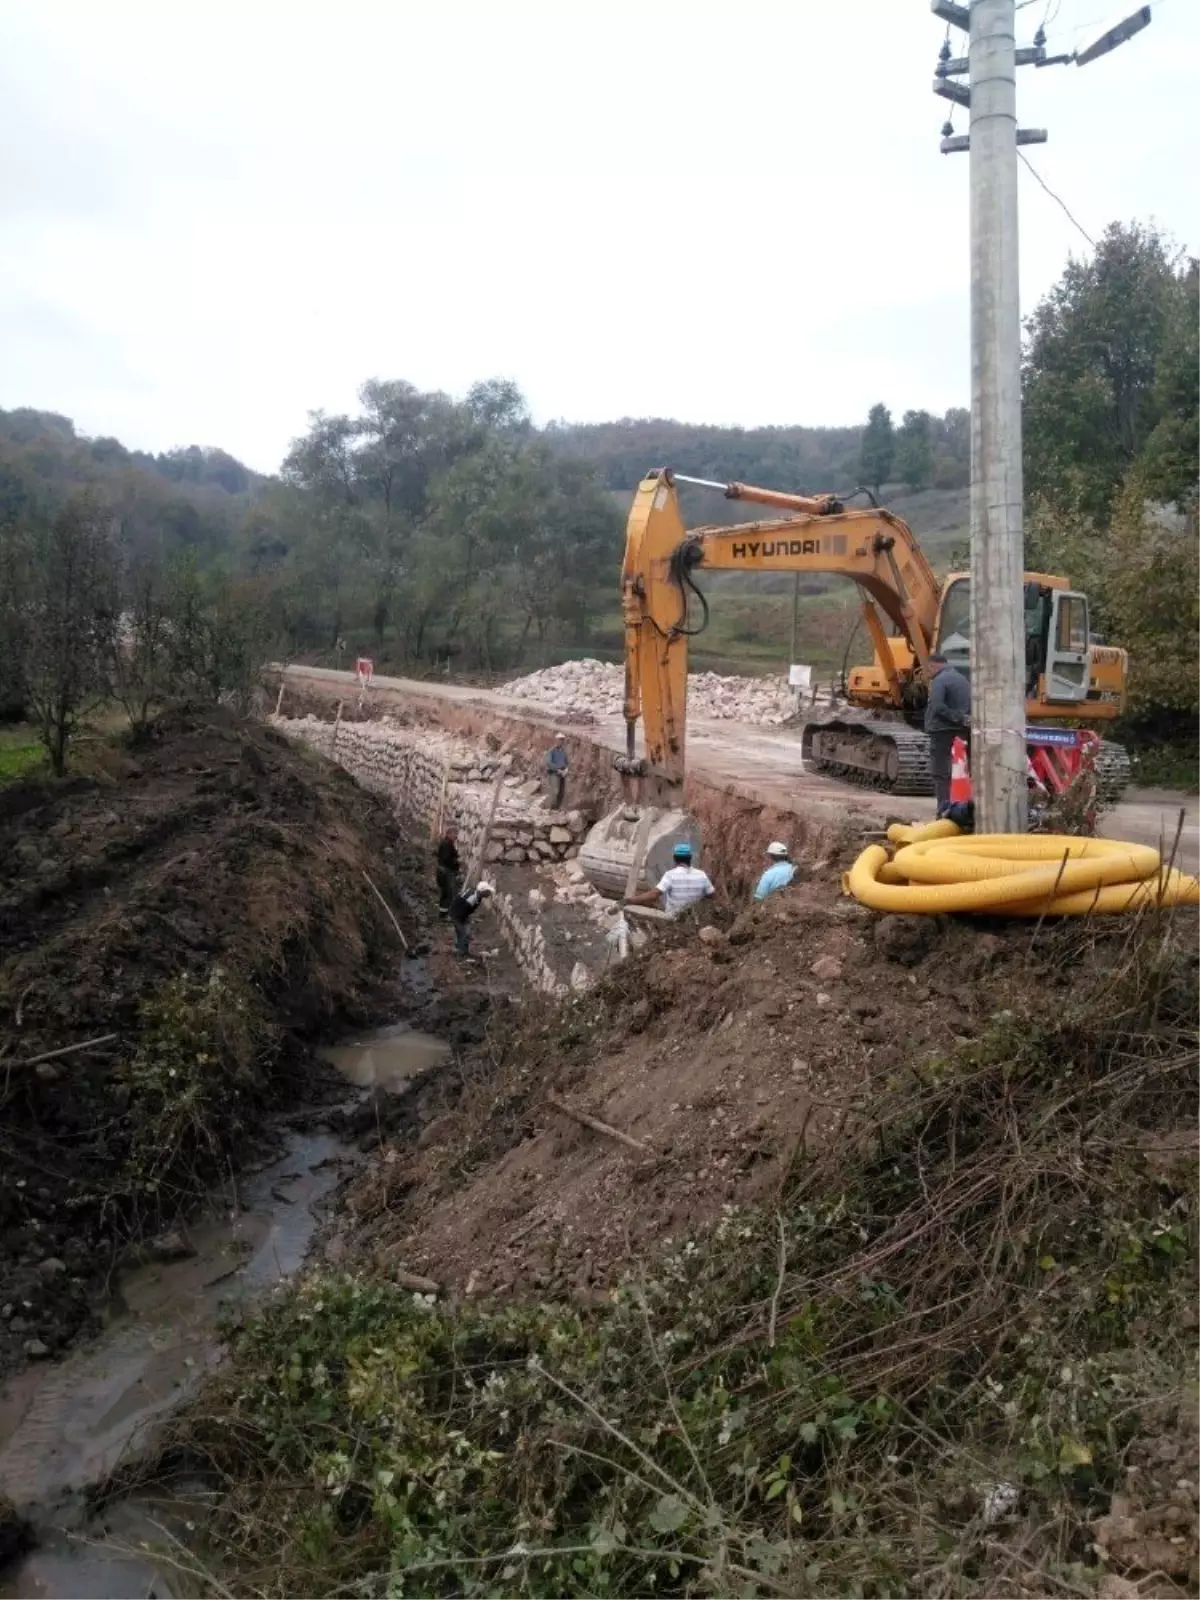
<point>21,753</point>
<point>987,1280</point>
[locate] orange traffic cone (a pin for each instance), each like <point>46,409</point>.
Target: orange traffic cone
<point>960,773</point>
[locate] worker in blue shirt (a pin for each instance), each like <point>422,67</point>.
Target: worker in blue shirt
<point>556,768</point>
<point>779,874</point>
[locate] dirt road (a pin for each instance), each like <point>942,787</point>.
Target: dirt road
<point>765,764</point>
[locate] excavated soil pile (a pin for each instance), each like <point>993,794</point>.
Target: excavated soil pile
<point>191,913</point>
<point>722,1054</point>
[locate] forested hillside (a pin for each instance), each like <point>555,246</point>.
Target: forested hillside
<point>1112,401</point>
<point>452,533</point>
<point>924,452</point>
<point>190,499</point>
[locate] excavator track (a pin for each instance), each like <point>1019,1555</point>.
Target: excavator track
<point>894,758</point>
<point>1113,772</point>
<point>873,753</point>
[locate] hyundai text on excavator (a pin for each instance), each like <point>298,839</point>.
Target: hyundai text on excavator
<point>877,737</point>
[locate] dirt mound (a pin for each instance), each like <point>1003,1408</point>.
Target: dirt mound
<point>723,1054</point>
<point>181,919</point>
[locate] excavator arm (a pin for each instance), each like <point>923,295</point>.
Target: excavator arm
<point>870,546</point>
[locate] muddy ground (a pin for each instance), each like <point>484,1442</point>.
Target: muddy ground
<point>204,912</point>
<point>740,1043</point>
<point>194,916</point>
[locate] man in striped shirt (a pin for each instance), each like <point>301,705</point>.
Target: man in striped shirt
<point>679,887</point>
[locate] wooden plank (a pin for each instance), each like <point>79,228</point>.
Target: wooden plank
<point>485,837</point>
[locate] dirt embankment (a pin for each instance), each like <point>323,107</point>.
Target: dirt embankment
<point>170,935</point>
<point>937,1343</point>
<point>724,1055</point>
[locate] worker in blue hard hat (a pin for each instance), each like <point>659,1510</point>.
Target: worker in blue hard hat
<point>680,886</point>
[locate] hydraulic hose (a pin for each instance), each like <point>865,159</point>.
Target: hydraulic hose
<point>940,870</point>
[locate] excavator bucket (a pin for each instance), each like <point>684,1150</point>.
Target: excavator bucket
<point>632,847</point>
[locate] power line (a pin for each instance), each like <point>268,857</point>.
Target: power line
<point>1058,200</point>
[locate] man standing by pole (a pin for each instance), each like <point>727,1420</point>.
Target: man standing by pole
<point>997,490</point>
<point>947,717</point>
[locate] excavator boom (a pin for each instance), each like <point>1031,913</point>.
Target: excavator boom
<point>871,546</point>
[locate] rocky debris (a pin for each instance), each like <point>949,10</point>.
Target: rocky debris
<point>827,968</point>
<point>1149,1533</point>
<point>581,691</point>
<point>905,940</point>
<point>1113,1588</point>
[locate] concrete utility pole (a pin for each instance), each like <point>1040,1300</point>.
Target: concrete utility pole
<point>998,761</point>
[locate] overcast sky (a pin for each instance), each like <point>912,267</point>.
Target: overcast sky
<point>215,217</point>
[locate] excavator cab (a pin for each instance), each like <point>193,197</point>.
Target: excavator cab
<point>1057,636</point>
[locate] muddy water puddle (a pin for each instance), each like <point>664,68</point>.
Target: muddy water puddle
<point>387,1058</point>
<point>66,1426</point>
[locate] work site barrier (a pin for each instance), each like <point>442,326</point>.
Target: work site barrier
<point>939,869</point>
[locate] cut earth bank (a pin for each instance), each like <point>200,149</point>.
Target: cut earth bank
<point>807,1252</point>
<point>180,926</point>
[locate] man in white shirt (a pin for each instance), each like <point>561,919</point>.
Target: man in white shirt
<point>679,887</point>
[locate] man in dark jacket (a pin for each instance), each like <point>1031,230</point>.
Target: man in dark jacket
<point>947,717</point>
<point>462,909</point>
<point>448,867</point>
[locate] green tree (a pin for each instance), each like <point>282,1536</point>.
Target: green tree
<point>14,621</point>
<point>878,448</point>
<point>914,450</point>
<point>1170,461</point>
<point>1107,370</point>
<point>72,615</point>
<point>138,651</point>
<point>952,449</point>
<point>216,636</point>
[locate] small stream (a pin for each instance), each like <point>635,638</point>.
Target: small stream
<point>68,1425</point>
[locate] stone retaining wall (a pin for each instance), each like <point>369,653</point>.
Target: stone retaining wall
<point>419,768</point>
<point>410,767</point>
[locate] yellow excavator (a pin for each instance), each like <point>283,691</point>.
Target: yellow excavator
<point>876,738</point>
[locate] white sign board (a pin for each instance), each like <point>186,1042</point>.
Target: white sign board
<point>799,677</point>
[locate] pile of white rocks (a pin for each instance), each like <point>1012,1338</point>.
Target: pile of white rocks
<point>418,770</point>
<point>575,691</point>
<point>580,691</point>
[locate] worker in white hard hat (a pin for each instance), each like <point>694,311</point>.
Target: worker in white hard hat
<point>779,874</point>
<point>462,909</point>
